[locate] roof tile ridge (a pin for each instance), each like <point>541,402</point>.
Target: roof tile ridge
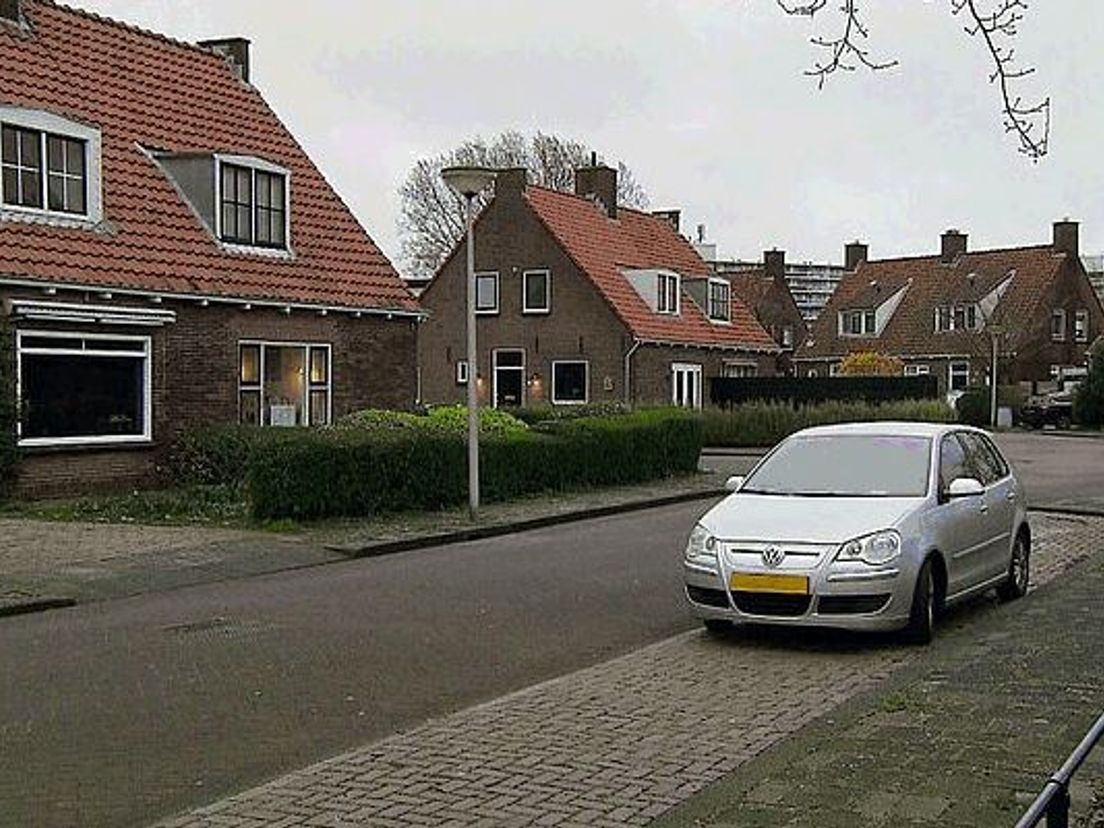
<point>128,27</point>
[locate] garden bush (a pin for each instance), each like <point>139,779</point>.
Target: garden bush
<point>449,418</point>
<point>1088,401</point>
<point>973,407</point>
<point>214,454</point>
<point>764,424</point>
<point>349,471</point>
<point>553,413</point>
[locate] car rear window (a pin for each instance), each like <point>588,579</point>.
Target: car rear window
<point>845,466</point>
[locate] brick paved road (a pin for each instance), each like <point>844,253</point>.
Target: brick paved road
<point>612,745</point>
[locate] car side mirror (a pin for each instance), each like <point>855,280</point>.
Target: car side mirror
<point>964,487</point>
<point>735,482</point>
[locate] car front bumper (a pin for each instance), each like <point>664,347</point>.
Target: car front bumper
<point>852,596</point>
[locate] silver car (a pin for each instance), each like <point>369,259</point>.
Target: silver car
<point>864,526</point>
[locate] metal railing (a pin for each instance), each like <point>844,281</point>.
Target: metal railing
<point>1054,802</point>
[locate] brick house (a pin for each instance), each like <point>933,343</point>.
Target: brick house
<point>582,301</point>
<point>767,295</point>
<point>170,256</point>
<point>940,313</point>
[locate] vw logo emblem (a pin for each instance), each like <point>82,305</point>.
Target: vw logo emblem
<point>773,555</point>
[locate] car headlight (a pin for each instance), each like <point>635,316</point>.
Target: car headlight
<point>876,550</point>
<point>702,546</point>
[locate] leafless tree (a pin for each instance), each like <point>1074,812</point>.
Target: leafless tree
<point>993,22</point>
<point>431,221</point>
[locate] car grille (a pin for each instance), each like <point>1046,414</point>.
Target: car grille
<point>851,604</point>
<point>708,597</point>
<point>767,603</point>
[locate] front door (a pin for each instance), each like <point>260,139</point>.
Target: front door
<point>509,378</point>
<point>686,384</point>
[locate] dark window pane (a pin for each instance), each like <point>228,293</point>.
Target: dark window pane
<point>10,141</point>
<point>11,186</point>
<point>74,156</point>
<point>32,189</point>
<point>250,408</point>
<point>250,364</point>
<point>319,408</point>
<point>229,191</point>
<point>55,191</point>
<point>77,396</point>
<point>55,152</point>
<point>536,291</point>
<point>510,359</point>
<point>319,367</point>
<point>569,382</point>
<point>74,195</point>
<point>263,189</point>
<point>30,148</point>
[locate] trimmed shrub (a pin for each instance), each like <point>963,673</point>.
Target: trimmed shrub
<point>331,472</point>
<point>973,407</point>
<point>545,413</point>
<point>764,424</point>
<point>215,454</point>
<point>491,420</point>
<point>1088,401</point>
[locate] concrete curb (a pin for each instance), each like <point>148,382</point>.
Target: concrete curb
<point>373,550</point>
<point>35,604</point>
<point>1074,511</point>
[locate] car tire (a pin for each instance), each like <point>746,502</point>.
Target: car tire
<point>921,623</point>
<point>717,626</point>
<point>1064,422</point>
<point>1019,571</point>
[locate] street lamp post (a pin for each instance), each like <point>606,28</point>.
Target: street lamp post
<point>469,182</point>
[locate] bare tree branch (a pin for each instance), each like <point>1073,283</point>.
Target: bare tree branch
<point>996,29</point>
<point>846,51</point>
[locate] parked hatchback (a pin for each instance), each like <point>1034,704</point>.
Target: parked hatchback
<point>865,526</point>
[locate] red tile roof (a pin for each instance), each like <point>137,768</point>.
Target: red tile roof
<point>603,248</point>
<point>145,91</point>
<point>930,283</point>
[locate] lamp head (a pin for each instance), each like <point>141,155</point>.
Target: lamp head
<point>468,181</point>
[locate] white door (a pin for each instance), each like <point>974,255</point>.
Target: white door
<point>686,384</point>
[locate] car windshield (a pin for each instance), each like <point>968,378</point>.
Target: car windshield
<point>845,466</point>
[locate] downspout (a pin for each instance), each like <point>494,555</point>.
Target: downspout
<point>628,370</point>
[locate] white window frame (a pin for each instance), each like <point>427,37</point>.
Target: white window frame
<point>951,372</point>
<point>720,283</point>
<point>144,353</point>
<point>787,336</point>
<point>739,369</point>
<point>484,274</point>
<point>47,123</point>
<point>525,308</point>
<point>665,292</point>
<point>1058,315</point>
<point>693,369</point>
<point>917,370</point>
<point>834,369</point>
<point>1081,325</point>
<point>495,368</point>
<point>586,381</point>
<point>255,165</point>
<point>462,372</point>
<point>308,386</point>
<point>863,315</point>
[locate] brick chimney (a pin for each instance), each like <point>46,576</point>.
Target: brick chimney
<point>774,265</point>
<point>234,49</point>
<point>599,182</point>
<point>1066,237</point>
<point>853,254</point>
<point>511,183</point>
<point>10,11</point>
<point>953,245</point>
<point>672,217</point>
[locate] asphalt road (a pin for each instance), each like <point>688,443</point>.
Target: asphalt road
<point>119,713</point>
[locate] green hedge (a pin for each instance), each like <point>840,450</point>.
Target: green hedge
<point>764,424</point>
<point>347,472</point>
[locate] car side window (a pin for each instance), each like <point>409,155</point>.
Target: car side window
<point>952,461</point>
<point>999,462</point>
<point>979,460</point>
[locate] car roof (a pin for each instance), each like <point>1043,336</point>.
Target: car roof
<point>884,428</point>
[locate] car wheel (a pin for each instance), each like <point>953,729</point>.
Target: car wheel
<point>1019,571</point>
<point>717,626</point>
<point>921,621</point>
<point>1064,422</point>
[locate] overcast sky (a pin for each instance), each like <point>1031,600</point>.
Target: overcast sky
<point>703,99</point>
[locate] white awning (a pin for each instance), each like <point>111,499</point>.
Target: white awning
<point>95,314</point>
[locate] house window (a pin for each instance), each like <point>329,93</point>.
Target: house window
<point>668,293</point>
<point>42,170</point>
<point>253,206</point>
<point>1081,326</point>
<point>858,323</point>
<point>284,384</point>
<point>958,376</point>
<point>1058,325</point>
<point>83,388</point>
<point>536,291</point>
<point>834,369</point>
<point>462,372</point>
<point>917,370</point>
<point>739,370</point>
<point>957,318</point>
<point>719,300</point>
<point>787,336</point>
<point>686,385</point>
<point>486,293</point>
<point>570,381</point>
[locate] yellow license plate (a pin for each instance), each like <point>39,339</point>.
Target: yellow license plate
<point>785,584</point>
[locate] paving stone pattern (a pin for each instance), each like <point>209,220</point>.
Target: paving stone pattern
<point>613,745</point>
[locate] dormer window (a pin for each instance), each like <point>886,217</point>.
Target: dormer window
<point>253,205</point>
<point>49,166</point>
<point>962,317</point>
<point>720,304</point>
<point>667,287</point>
<point>858,323</point>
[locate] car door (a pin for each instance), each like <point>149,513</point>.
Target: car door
<point>1000,494</point>
<point>959,523</point>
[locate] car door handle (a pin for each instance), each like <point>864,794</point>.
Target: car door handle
<point>1011,496</point>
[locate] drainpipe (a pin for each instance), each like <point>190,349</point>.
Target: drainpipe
<point>628,371</point>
